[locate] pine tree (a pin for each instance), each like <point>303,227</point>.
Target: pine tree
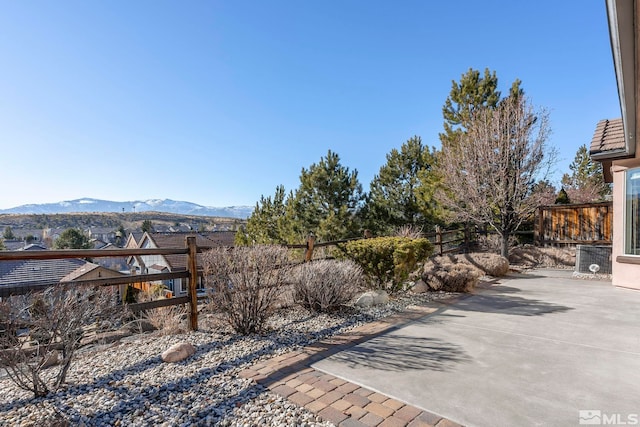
<point>8,233</point>
<point>147,226</point>
<point>586,183</point>
<point>396,195</point>
<point>72,238</point>
<point>329,200</point>
<point>472,93</point>
<point>270,222</point>
<point>562,198</point>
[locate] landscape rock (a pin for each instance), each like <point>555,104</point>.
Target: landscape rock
<point>372,298</point>
<point>420,287</point>
<point>52,359</point>
<point>178,352</point>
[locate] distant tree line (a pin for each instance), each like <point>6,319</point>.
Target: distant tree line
<point>493,169</point>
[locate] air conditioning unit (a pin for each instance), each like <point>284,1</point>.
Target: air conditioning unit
<point>590,256</point>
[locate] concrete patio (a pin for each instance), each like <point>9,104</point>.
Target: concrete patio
<point>532,349</point>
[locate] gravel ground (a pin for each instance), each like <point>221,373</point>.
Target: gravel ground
<point>127,384</point>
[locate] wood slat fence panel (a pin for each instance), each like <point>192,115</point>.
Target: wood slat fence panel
<point>575,224</point>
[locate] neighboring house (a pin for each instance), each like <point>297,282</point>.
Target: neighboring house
<point>90,271</point>
<point>149,264</point>
<point>615,143</point>
<point>107,235</point>
<point>98,244</point>
<point>14,245</point>
<point>117,263</point>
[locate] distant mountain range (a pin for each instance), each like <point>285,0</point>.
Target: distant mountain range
<point>156,205</point>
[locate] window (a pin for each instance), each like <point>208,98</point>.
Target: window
<point>183,285</point>
<point>632,213</point>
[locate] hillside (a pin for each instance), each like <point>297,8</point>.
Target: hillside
<point>130,221</point>
<point>152,205</point>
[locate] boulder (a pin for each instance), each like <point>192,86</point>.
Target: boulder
<point>371,298</point>
<point>380,297</point>
<point>178,352</point>
<point>420,287</point>
<point>51,359</point>
<point>365,300</point>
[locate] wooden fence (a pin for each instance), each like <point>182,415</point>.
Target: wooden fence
<point>191,273</point>
<point>444,241</point>
<point>574,224</point>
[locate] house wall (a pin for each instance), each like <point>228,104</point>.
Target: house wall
<point>624,274</point>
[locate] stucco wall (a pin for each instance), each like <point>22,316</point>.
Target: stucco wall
<point>624,274</point>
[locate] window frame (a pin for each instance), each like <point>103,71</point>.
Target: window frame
<point>628,224</point>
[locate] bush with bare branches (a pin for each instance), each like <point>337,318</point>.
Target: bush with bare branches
<point>246,282</point>
<point>41,332</point>
<point>325,285</point>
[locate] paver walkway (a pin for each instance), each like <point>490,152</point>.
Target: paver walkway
<point>341,402</point>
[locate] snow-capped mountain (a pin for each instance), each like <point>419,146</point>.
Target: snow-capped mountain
<point>156,205</point>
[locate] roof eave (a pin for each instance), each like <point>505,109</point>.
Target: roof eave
<point>620,14</point>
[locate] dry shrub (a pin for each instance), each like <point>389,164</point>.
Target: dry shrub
<point>168,320</point>
<point>325,285</point>
<point>532,256</point>
<point>55,321</point>
<point>410,231</point>
<point>245,283</point>
<point>442,274</point>
<point>487,263</point>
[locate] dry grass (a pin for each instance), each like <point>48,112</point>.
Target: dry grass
<point>409,230</point>
<point>168,320</point>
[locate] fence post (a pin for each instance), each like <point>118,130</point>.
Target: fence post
<point>311,239</point>
<point>439,238</point>
<point>192,266</point>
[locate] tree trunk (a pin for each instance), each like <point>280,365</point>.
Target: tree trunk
<point>504,250</point>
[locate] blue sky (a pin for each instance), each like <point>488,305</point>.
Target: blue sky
<point>219,102</point>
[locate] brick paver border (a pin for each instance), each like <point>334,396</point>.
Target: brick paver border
<point>334,399</point>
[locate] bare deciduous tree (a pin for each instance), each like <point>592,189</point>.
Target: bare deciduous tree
<point>246,282</point>
<point>490,171</point>
<point>41,332</point>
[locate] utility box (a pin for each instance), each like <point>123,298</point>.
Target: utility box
<point>588,255</point>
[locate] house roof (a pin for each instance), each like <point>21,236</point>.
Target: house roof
<point>608,137</point>
<point>82,271</point>
<point>37,272</point>
<point>177,240</point>
<point>14,245</point>
<point>79,272</point>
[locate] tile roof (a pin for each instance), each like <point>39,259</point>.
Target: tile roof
<point>609,136</point>
<point>37,272</point>
<point>178,240</point>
